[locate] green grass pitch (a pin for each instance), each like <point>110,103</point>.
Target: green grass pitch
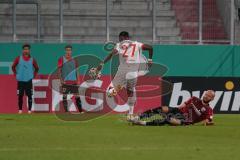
<point>43,136</point>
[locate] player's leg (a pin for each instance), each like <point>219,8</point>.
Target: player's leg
<point>131,101</point>
<point>173,110</point>
<point>156,122</point>
<point>29,93</point>
<point>175,121</point>
<point>150,113</point>
<point>75,91</point>
<point>20,103</point>
<point>65,103</point>
<point>131,83</point>
<point>139,122</point>
<point>20,93</point>
<point>175,117</point>
<point>159,121</point>
<point>64,97</point>
<point>165,115</point>
<point>117,83</point>
<point>79,104</point>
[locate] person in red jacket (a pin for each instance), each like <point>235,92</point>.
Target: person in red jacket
<point>25,68</point>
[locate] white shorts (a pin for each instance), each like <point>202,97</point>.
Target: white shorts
<point>126,76</point>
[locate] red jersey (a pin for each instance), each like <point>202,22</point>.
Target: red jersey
<point>191,115</point>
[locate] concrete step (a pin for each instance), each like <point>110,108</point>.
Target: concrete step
<point>89,39</point>
<point>116,30</point>
<point>9,38</point>
<point>95,12</point>
<point>78,22</point>
<point>142,6</point>
<point>168,31</point>
<point>168,38</point>
<point>54,6</point>
<point>19,31</point>
<point>86,20</point>
<point>101,4</point>
<point>99,31</point>
<point>6,37</point>
<point>148,39</point>
<point>141,13</point>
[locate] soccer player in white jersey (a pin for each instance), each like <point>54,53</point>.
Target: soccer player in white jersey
<point>131,59</point>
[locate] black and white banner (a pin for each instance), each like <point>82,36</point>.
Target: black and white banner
<point>227,90</point>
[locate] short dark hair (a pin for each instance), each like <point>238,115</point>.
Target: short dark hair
<point>68,46</point>
<point>26,45</point>
<point>124,34</point>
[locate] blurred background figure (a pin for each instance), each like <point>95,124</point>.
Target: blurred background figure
<point>237,4</point>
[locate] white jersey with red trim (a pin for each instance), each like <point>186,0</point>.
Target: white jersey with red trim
<point>132,65</point>
<point>130,52</point>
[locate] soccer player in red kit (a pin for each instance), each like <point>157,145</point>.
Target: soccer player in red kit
<point>25,68</point>
<point>192,111</point>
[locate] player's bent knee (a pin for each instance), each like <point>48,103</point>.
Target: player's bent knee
<point>165,109</point>
<point>175,122</point>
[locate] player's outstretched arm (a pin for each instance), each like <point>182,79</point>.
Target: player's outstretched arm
<point>106,59</point>
<point>148,48</point>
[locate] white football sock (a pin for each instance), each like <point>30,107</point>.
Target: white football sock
<point>131,103</point>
